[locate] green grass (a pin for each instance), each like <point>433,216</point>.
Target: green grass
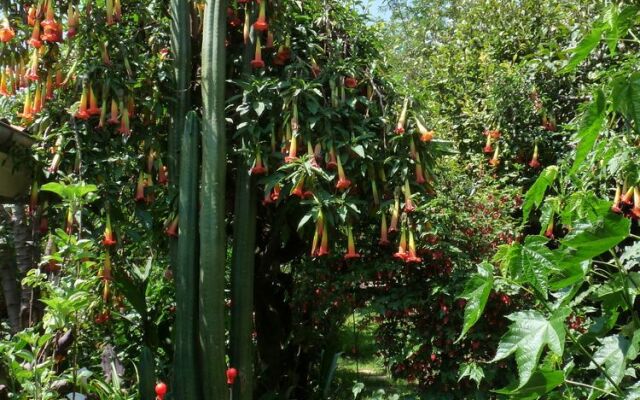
<point>364,366</point>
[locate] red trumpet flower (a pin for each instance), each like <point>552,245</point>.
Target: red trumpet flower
<point>615,207</point>
<point>275,193</point>
<point>70,221</point>
<point>72,21</point>
<point>403,117</point>
<point>6,32</point>
<point>324,244</point>
<point>635,211</point>
<point>412,257</point>
<point>108,239</point>
<point>140,187</point>
<point>93,102</point>
<point>172,227</point>
<point>343,182</point>
<point>258,168</point>
<point>113,119</point>
<point>425,135</point>
<point>82,112</point>
<point>298,189</point>
<point>401,254</point>
<point>351,246</point>
<point>257,61</point>
<point>550,227</point>
<point>627,197</point>
<point>488,149</point>
<point>408,202</point>
<point>534,163</point>
<point>261,24</point>
<point>317,236</point>
<point>495,160</point>
<point>124,122</point>
<point>27,110</point>
<point>35,37</point>
<point>31,15</point>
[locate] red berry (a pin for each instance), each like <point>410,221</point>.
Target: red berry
<point>161,388</point>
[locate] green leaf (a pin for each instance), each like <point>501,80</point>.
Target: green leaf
<point>528,335</point>
<point>625,94</point>
<point>631,256</point>
<point>590,239</point>
<point>590,128</point>
<point>531,263</point>
<point>472,371</point>
<point>541,383</point>
<point>612,356</point>
<point>476,292</point>
<point>620,24</point>
<point>536,192</point>
<point>585,47</point>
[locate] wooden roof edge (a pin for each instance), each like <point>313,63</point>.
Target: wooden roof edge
<point>10,134</point>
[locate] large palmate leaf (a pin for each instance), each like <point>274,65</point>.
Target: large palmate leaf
<point>585,47</point>
<point>619,24</point>
<point>592,238</point>
<point>530,262</point>
<point>535,194</point>
<point>590,128</point>
<point>527,337</point>
<point>476,292</point>
<point>541,383</point>
<point>613,355</point>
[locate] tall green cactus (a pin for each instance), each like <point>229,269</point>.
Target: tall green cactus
<point>244,237</point>
<point>243,263</point>
<point>181,48</point>
<point>212,216</point>
<point>185,362</point>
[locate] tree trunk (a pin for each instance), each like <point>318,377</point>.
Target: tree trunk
<point>24,250</point>
<point>8,278</point>
<point>212,217</point>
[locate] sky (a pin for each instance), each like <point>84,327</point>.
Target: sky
<point>377,9</point>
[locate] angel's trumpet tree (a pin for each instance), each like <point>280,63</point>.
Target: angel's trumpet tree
<point>384,238</point>
<point>261,24</point>
<point>258,167</point>
<point>108,239</point>
<point>395,213</point>
<point>495,160</point>
<point>425,134</point>
<point>343,183</point>
<point>93,102</point>
<point>402,254</point>
<point>615,207</point>
<point>172,227</point>
<point>535,163</point>
<point>408,202</point>
<point>6,32</point>
<point>317,236</point>
<point>82,112</point>
<point>488,148</point>
<point>324,244</point>
<point>412,256</point>
<point>257,61</point>
<point>351,246</point>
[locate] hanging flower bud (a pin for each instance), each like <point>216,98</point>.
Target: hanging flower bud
<point>495,160</point>
<point>615,207</point>
<point>332,164</point>
<point>374,187</point>
<point>103,113</point>
<point>70,221</point>
<point>140,188</point>
<point>27,111</point>
<point>269,43</point>
<point>408,202</point>
<point>117,10</point>
<point>534,163</point>
<point>403,117</point>
<point>105,54</point>
<point>55,163</point>
<point>317,236</point>
<point>113,119</point>
<point>31,15</point>
<point>108,239</point>
<point>401,254</point>
<point>110,17</point>
<point>312,155</point>
<point>395,213</point>
<point>284,52</point>
<point>384,239</point>
<point>6,32</point>
<point>350,82</point>
<point>293,146</point>
<point>351,246</point>
<point>315,68</point>
<point>32,74</point>
<point>261,24</point>
<point>488,149</point>
<point>257,58</point>
<point>49,87</point>
<point>425,135</point>
<point>275,192</point>
<point>258,168</point>
<point>4,90</point>
<point>550,227</point>
<point>37,101</point>
<point>419,172</point>
<point>72,21</point>
<point>124,122</point>
<point>343,182</point>
<point>105,274</point>
<point>246,29</point>
<point>324,244</point>
<point>412,148</point>
<point>412,257</point>
<point>172,227</point>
